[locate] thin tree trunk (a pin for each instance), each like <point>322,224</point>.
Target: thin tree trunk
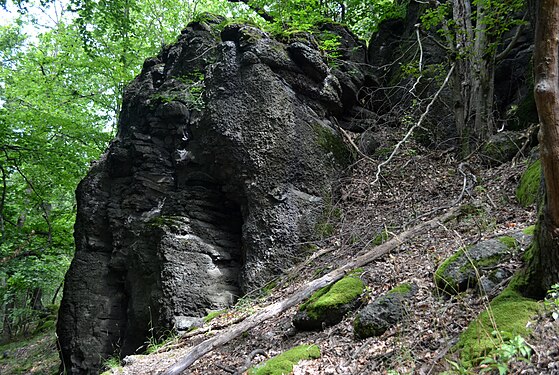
<point>461,14</point>
<point>543,271</point>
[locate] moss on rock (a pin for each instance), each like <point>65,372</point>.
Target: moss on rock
<point>283,363</point>
<point>329,305</point>
<point>214,314</point>
<point>384,312</point>
<point>527,191</point>
<point>334,296</point>
<point>508,241</point>
<point>331,142</point>
<point>529,230</point>
<point>403,289</point>
<point>508,314</point>
<point>474,265</point>
<point>442,279</point>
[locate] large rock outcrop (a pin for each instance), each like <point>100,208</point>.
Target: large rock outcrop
<point>225,149</point>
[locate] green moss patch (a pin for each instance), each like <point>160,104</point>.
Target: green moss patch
<point>403,288</point>
<point>331,142</point>
<point>527,191</point>
<point>212,315</point>
<point>508,241</point>
<point>508,314</point>
<point>529,230</point>
<point>31,355</point>
<point>334,296</point>
<point>444,281</point>
<point>283,363</point>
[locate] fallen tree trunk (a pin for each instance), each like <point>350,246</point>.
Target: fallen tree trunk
<point>232,332</point>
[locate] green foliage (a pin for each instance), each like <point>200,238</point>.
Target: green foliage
<point>329,44</point>
<point>111,364</point>
<point>156,342</point>
<point>381,238</point>
<point>512,349</point>
<point>283,363</point>
<point>361,17</point>
<point>60,97</point>
<point>50,128</point>
<point>496,17</point>
<point>551,302</point>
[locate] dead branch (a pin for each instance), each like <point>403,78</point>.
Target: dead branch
<point>232,332</point>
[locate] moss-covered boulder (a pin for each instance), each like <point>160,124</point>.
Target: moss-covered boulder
<point>476,266</point>
<point>328,306</point>
<point>284,362</point>
<point>387,310</point>
<point>507,316</point>
<point>530,182</point>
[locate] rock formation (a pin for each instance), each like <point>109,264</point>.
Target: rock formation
<point>226,148</point>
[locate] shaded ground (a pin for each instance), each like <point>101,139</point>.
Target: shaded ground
<point>35,355</point>
<point>413,184</point>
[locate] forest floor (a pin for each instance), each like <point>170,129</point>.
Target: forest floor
<point>414,183</point>
<point>32,354</point>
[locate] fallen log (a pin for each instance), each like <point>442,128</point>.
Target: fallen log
<point>197,351</point>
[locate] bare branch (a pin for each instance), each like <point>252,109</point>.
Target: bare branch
<point>415,126</point>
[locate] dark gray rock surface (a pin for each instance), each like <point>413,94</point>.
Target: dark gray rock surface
<point>225,148</point>
<point>384,312</point>
<point>478,266</point>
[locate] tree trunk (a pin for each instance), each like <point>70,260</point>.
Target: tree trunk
<point>461,14</point>
<point>473,81</point>
<point>543,271</point>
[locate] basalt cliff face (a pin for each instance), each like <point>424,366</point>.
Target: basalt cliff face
<point>226,149</point>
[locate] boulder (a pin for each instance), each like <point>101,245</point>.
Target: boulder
<point>224,151</point>
<point>327,306</point>
<point>478,266</point>
<point>502,147</point>
<point>384,312</point>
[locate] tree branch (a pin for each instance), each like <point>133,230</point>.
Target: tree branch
<point>512,43</point>
<point>261,12</point>
<point>409,133</point>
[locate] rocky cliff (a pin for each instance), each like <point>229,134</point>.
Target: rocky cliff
<point>226,149</point>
